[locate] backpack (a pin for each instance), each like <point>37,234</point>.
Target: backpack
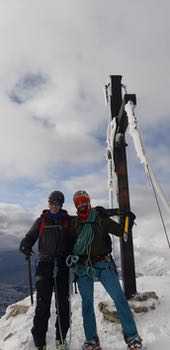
<point>52,236</point>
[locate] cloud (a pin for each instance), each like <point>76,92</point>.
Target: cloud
<point>55,59</point>
<point>14,220</point>
<point>33,144</point>
<point>27,87</point>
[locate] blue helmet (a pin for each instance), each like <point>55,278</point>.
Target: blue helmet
<point>57,198</point>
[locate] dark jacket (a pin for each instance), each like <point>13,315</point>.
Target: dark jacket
<point>50,235</point>
<point>103,225</point>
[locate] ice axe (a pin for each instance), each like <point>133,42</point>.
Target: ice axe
<point>28,258</point>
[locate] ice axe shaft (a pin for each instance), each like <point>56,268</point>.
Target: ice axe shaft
<point>28,258</point>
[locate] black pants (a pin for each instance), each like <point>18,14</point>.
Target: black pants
<point>45,287</point>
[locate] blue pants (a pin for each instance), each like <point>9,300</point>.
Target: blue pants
<point>106,273</point>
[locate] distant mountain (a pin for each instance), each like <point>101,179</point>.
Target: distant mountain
<point>14,283</point>
<point>9,294</point>
<point>13,268</point>
<point>8,242</point>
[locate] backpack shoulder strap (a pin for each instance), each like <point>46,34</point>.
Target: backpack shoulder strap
<point>43,220</point>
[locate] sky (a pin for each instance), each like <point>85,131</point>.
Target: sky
<point>56,57</point>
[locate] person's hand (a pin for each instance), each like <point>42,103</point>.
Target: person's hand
<point>131,217</point>
<point>27,251</point>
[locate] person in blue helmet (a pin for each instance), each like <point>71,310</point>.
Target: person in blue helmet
<point>51,230</point>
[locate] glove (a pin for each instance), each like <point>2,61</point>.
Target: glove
<point>27,251</point>
<point>131,216</point>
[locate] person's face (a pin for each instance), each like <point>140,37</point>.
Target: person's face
<point>54,207</point>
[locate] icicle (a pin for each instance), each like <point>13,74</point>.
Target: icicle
<point>106,93</point>
<point>112,183</point>
<point>112,178</point>
<point>134,132</point>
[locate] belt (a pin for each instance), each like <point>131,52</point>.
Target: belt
<point>94,259</point>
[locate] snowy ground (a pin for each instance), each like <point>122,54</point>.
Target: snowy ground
<point>154,326</point>
<point>152,257</point>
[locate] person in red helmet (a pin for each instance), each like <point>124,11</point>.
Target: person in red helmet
<point>93,247</point>
<point>81,200</point>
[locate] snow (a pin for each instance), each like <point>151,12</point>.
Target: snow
<point>154,326</point>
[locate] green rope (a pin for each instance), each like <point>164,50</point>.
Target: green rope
<point>86,235</point>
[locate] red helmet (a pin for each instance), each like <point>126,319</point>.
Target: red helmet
<point>81,199</point>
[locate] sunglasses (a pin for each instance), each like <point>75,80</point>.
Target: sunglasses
<point>54,204</point>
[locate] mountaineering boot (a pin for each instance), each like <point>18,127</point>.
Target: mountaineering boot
<point>92,345</point>
<point>135,345</point>
<point>60,346</point>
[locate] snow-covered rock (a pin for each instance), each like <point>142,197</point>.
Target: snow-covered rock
<point>154,326</point>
